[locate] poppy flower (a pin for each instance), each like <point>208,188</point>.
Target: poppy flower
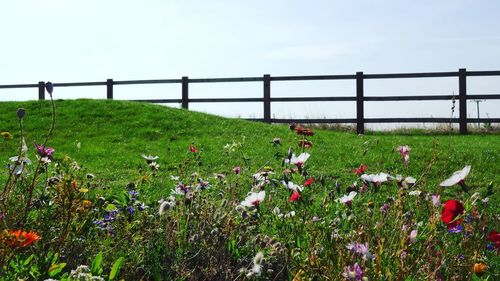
<point>458,177</point>
<point>193,149</point>
<point>21,238</point>
<point>479,268</point>
<point>295,196</point>
<point>309,182</point>
<point>452,209</point>
<point>361,170</point>
<point>495,238</point>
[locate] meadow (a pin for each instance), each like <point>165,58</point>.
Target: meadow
<point>115,190</point>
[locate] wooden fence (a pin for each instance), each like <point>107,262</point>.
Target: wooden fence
<point>359,98</point>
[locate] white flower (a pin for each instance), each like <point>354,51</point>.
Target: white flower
<point>291,186</point>
<point>149,158</point>
<point>257,263</point>
<point>410,180</point>
<point>298,161</point>
<point>415,192</point>
<point>262,176</point>
<point>377,179</point>
<point>347,199</point>
<point>254,199</point>
<point>457,177</point>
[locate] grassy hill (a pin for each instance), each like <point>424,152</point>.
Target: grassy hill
<point>208,235</point>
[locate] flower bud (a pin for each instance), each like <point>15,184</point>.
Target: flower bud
<point>49,87</point>
<point>20,113</point>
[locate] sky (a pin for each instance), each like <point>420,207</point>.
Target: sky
<point>82,41</point>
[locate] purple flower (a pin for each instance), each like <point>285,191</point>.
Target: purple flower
<point>44,151</point>
<point>384,209</point>
<point>456,229</point>
<point>133,194</point>
<point>131,210</point>
<point>237,170</point>
<point>353,273</point>
<point>436,200</point>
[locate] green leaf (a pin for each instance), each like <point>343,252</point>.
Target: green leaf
<point>56,268</point>
<point>28,260</point>
<point>116,268</point>
<point>96,267</point>
<point>110,207</point>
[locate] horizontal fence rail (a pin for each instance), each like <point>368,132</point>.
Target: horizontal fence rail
<point>266,99</point>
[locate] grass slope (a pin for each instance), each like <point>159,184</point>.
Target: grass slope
<point>113,135</point>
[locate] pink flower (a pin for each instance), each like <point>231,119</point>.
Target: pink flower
<point>413,236</point>
<point>44,151</point>
<point>436,200</point>
<point>254,199</point>
<point>404,151</point>
<point>237,170</point>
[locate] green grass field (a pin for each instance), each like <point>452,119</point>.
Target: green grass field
<point>205,236</point>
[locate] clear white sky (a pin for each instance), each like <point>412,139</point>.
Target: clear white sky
<point>73,41</point>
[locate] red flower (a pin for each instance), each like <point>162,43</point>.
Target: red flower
<point>495,238</point>
<point>361,170</point>
<point>192,148</point>
<point>304,131</point>
<point>452,209</point>
<point>308,182</point>
<point>21,238</point>
<point>295,196</point>
<point>305,143</point>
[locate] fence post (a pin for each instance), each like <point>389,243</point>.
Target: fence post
<point>360,117</point>
<point>41,90</point>
<point>267,98</point>
<point>462,100</point>
<point>185,92</point>
<point>109,89</point>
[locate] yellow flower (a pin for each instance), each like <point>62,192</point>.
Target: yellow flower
<point>479,268</point>
<point>6,135</point>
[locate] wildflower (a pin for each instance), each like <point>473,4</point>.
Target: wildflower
<point>192,148</point>
<point>276,141</point>
<point>20,238</point>
<point>257,264</point>
<point>405,153</point>
<point>360,249</point>
<point>361,170</point>
<point>44,151</point>
<point>458,177</point>
<point>305,143</point>
<point>436,200</point>
<point>415,192</point>
<point>295,196</point>
<point>292,126</point>
<point>451,211</point>
<point>131,209</point>
<point>165,206</point>
<point>347,199</point>
<point>413,236</point>
<point>298,161</point>
<point>49,87</point>
<point>182,189</point>
<point>384,209</point>
<point>291,186</point>
<point>479,268</point>
<point>149,158</point>
<point>20,113</point>
<point>262,176</point>
<point>237,170</point>
<point>254,199</point>
<point>308,182</point>
<point>19,162</point>
<point>304,131</point>
<point>456,229</point>
<point>353,273</point>
<point>376,179</point>
<point>494,237</point>
<point>6,135</point>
